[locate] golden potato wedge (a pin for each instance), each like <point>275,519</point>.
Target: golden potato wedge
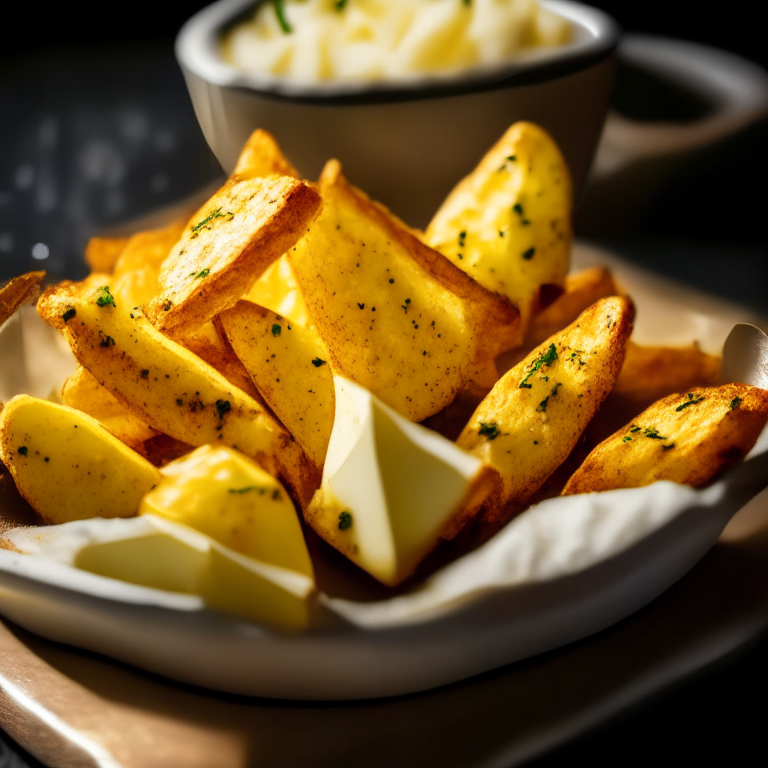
<point>278,290</point>
<point>167,386</point>
<point>101,253</point>
<point>212,346</point>
<point>243,228</point>
<point>261,156</point>
<point>508,224</point>
<point>690,438</point>
<point>50,449</point>
<point>289,365</point>
<point>396,316</point>
<point>532,419</point>
<point>83,392</point>
<point>17,292</point>
<point>582,289</point>
<point>228,497</point>
<point>137,268</point>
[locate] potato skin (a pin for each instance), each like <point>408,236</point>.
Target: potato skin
<point>690,438</point>
<point>532,419</point>
<point>52,449</point>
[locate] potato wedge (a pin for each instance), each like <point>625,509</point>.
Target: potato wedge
<point>582,289</point>
<point>532,419</point>
<point>101,253</point>
<point>278,290</point>
<point>243,228</point>
<point>397,317</point>
<point>260,157</point>
<point>212,346</point>
<point>17,292</point>
<point>228,497</point>
<point>83,392</point>
<point>169,387</point>
<point>690,438</point>
<point>50,449</point>
<point>508,224</point>
<point>289,365</point>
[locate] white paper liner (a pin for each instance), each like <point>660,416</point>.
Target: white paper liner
<point>562,570</point>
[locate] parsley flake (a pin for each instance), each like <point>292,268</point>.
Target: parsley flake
<point>23,450</point>
<point>547,358</point>
<point>276,329</point>
<point>735,403</point>
<point>222,407</point>
<point>317,362</point>
<point>345,521</point>
<point>69,314</point>
<point>690,401</point>
<point>107,341</point>
<point>217,214</point>
<point>282,20</point>
<point>489,430</point>
<point>528,255</point>
<point>105,298</point>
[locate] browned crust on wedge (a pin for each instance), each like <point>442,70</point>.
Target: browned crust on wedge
<point>243,228</point>
<point>18,291</point>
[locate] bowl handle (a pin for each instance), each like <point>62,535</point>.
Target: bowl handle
<point>736,89</point>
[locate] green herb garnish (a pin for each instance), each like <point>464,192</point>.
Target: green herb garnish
<point>105,298</point>
<point>735,403</point>
<point>690,401</point>
<point>222,407</point>
<point>276,329</point>
<point>542,406</point>
<point>653,433</point>
<point>547,358</point>
<point>281,17</point>
<point>340,5</point>
<point>345,521</point>
<point>489,430</point>
<point>528,255</point>
<point>249,489</point>
<point>203,273</point>
<point>23,450</point>
<point>317,362</point>
<point>107,341</point>
<point>69,314</point>
<point>217,214</point>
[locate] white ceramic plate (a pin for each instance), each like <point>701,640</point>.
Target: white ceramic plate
<point>559,572</point>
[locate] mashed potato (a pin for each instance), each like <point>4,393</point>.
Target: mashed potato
<point>368,40</point>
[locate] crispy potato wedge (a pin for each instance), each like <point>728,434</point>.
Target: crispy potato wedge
<point>83,392</point>
<point>396,316</point>
<point>101,253</point>
<point>137,268</point>
<point>278,290</point>
<point>690,438</point>
<point>289,365</point>
<point>243,228</point>
<point>167,386</point>
<point>582,289</point>
<point>261,156</point>
<point>508,224</point>
<point>17,292</point>
<point>534,416</point>
<point>50,448</point>
<point>212,346</point>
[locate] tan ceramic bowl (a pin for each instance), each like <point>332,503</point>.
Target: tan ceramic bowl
<point>405,144</point>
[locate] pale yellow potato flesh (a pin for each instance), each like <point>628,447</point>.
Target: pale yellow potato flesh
<point>396,316</point>
<point>278,290</point>
<point>508,224</point>
<point>83,391</point>
<point>226,496</point>
<point>289,365</point>
<point>242,229</point>
<point>533,417</point>
<point>67,466</point>
<point>690,438</point>
<point>167,386</point>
